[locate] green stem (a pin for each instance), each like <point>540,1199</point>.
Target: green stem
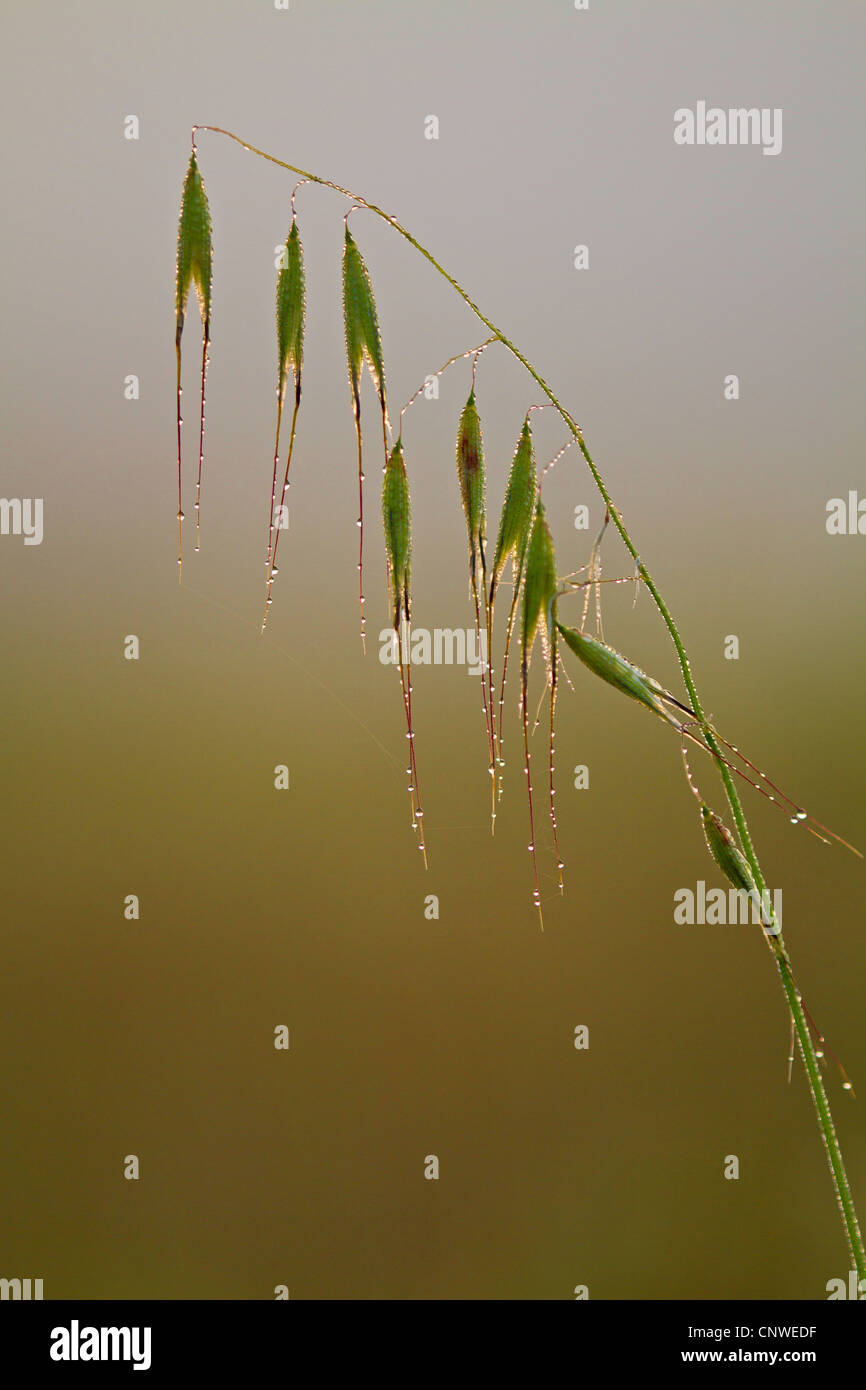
<point>792,994</point>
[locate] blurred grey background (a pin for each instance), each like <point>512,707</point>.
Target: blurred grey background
<point>408,1036</point>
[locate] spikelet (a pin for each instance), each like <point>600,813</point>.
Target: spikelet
<point>539,618</point>
<point>194,268</point>
<point>617,671</point>
<point>290,317</point>
<point>515,523</point>
<point>363,344</point>
<point>473,494</point>
<point>397,525</point>
<point>516,519</point>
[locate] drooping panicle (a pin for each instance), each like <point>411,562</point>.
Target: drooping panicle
<point>363,344</point>
<point>194,269</point>
<point>397,525</point>
<point>290,319</point>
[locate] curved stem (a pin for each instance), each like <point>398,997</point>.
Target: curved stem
<point>792,994</point>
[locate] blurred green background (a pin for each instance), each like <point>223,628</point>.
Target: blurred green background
<point>408,1036</point>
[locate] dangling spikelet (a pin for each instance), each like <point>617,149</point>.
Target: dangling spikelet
<point>539,617</point>
<point>194,267</point>
<point>470,475</point>
<point>397,523</point>
<point>363,343</point>
<point>290,314</point>
<point>515,523</point>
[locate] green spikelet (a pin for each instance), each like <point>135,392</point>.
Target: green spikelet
<point>398,537</point>
<point>363,343</point>
<point>539,616</point>
<point>470,475</point>
<point>290,316</point>
<point>723,848</point>
<point>194,268</point>
<point>473,493</point>
<point>516,518</point>
<point>290,311</point>
<point>363,340</point>
<point>194,246</point>
<point>397,524</point>
<point>539,590</point>
<point>618,672</point>
<point>733,864</point>
<point>511,541</point>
